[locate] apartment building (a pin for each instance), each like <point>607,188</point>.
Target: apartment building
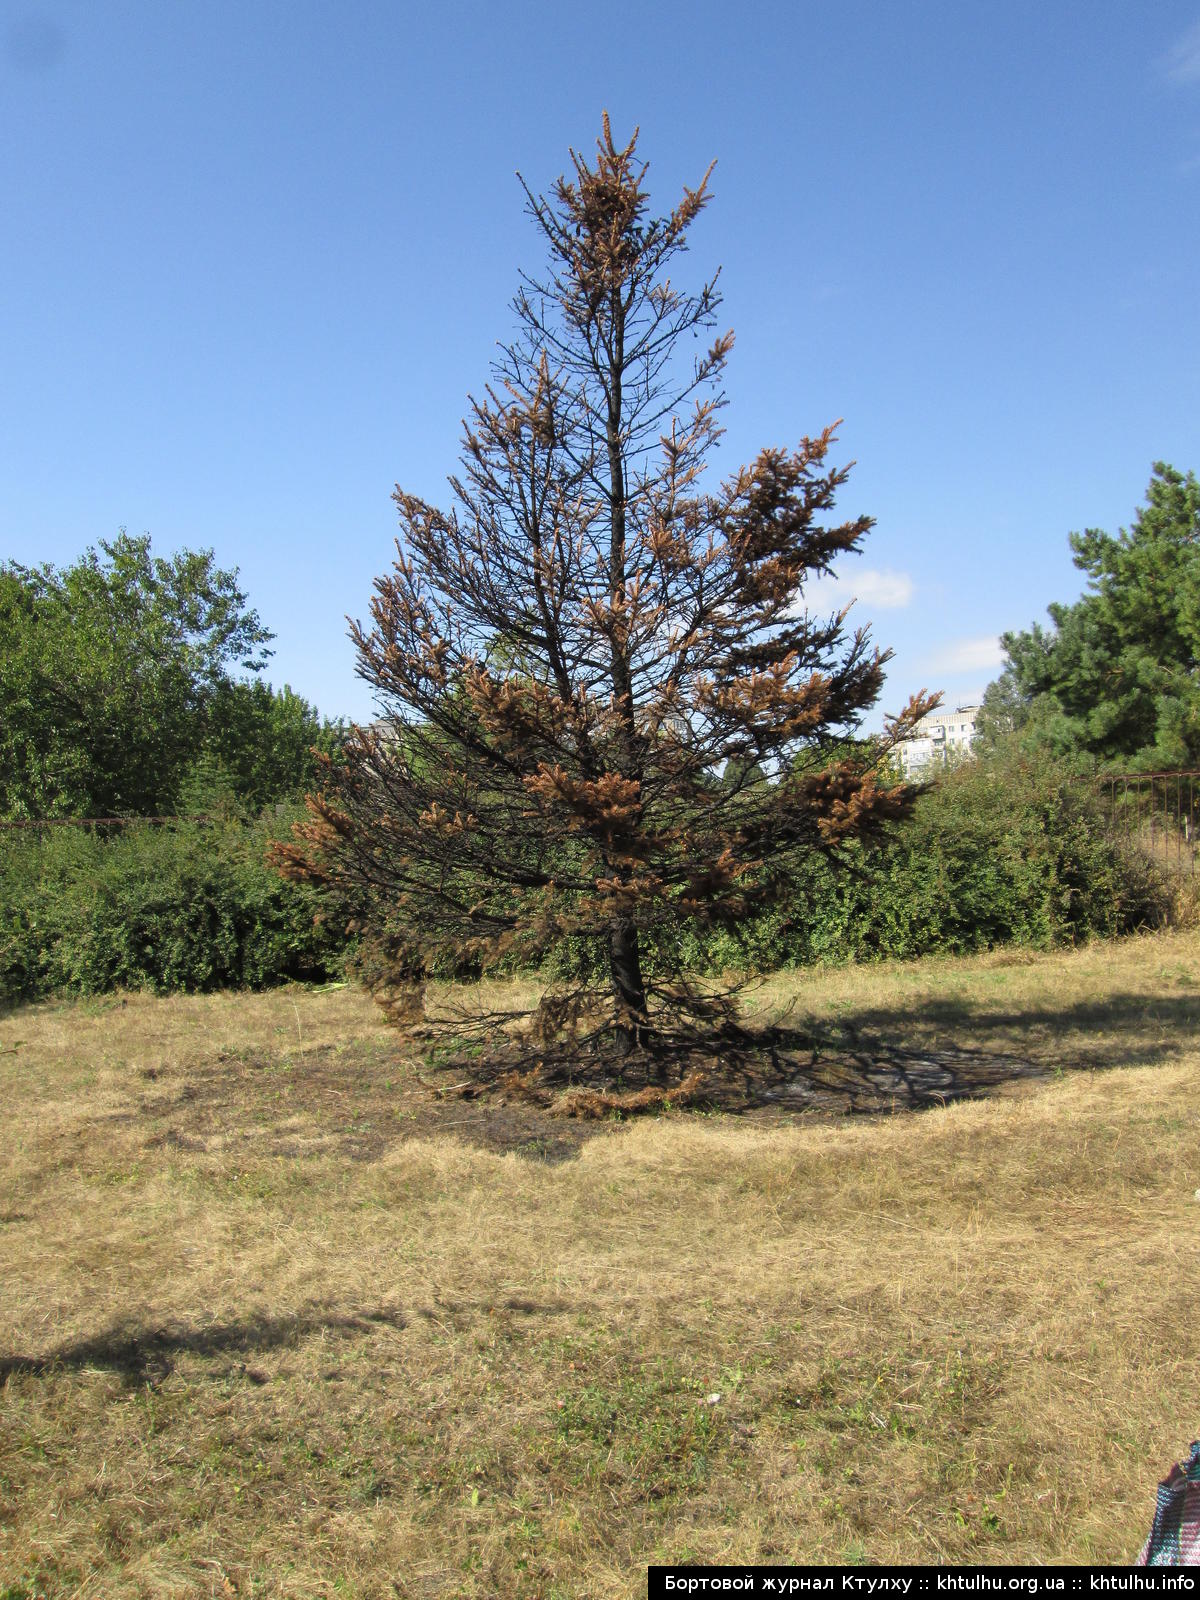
<point>938,739</point>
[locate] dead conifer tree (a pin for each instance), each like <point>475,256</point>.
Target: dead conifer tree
<point>573,655</point>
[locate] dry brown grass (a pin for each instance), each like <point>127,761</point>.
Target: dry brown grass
<point>277,1322</point>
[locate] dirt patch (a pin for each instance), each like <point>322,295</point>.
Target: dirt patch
<point>765,1072</point>
<point>358,1103</point>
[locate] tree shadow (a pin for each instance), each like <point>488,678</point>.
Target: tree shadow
<point>889,1058</point>
<point>802,1070</point>
<point>147,1356</point>
<point>873,1060</point>
<point>1094,1033</point>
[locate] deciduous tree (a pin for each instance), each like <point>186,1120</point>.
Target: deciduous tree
<point>117,680</point>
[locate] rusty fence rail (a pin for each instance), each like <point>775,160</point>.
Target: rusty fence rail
<point>1156,811</point>
<point>102,822</point>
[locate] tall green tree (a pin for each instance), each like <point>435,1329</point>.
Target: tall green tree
<point>1117,675</point>
<point>116,679</point>
<point>262,740</point>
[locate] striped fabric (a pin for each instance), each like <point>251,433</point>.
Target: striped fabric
<point>1175,1537</point>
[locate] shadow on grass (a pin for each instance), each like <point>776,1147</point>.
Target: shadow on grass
<point>885,1058</point>
<point>148,1356</point>
<point>869,1060</point>
<point>1119,1030</point>
<point>890,1058</point>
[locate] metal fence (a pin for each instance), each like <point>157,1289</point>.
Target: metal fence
<point>1156,811</point>
<point>102,822</point>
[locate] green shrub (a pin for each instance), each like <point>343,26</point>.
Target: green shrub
<point>190,906</point>
<point>1008,850</point>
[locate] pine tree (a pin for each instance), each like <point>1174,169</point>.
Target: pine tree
<point>1115,677</point>
<point>576,653</point>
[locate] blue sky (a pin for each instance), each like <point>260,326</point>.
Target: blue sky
<point>255,255</point>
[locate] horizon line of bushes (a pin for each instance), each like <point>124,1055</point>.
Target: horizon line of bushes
<point>1010,849</point>
<point>178,907</point>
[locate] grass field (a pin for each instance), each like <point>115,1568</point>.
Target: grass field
<point>277,1321</point>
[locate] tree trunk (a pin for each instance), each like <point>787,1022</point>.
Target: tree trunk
<point>625,966</point>
<point>629,987</point>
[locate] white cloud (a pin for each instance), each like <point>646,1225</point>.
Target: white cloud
<point>889,591</point>
<point>1182,62</point>
<point>873,588</point>
<point>983,654</point>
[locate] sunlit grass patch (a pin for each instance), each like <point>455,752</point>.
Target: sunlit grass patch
<point>278,1321</point>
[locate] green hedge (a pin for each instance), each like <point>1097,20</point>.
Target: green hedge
<point>1005,851</point>
<point>187,906</point>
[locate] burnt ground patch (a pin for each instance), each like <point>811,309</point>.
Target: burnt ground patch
<point>357,1100</point>
<point>874,1060</point>
<point>763,1073</point>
